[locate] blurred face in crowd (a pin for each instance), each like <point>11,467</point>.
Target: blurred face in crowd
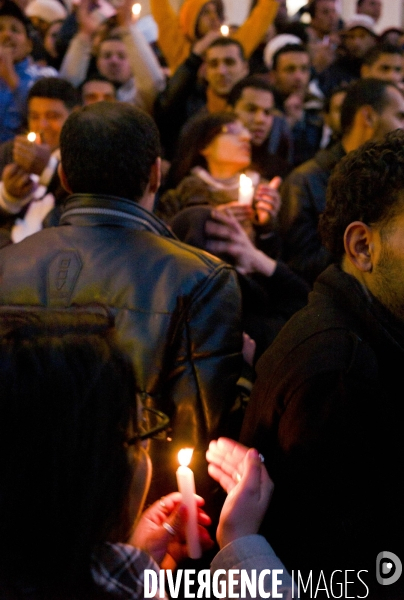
<point>230,148</point>
<point>333,117</point>
<point>292,73</point>
<point>50,38</point>
<point>392,116</point>
<point>255,109</point>
<point>358,41</point>
<point>98,91</point>
<point>389,67</point>
<point>46,117</point>
<point>208,19</point>
<point>113,62</point>
<point>224,68</point>
<point>325,17</point>
<point>373,8</point>
<point>13,36</point>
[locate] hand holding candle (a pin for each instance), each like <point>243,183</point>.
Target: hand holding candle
<point>245,190</point>
<point>186,485</point>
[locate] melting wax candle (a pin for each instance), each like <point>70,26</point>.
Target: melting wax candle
<point>186,485</point>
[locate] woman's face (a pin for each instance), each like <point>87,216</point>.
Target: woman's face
<point>230,147</point>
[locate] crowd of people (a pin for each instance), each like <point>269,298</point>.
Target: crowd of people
<point>201,246</point>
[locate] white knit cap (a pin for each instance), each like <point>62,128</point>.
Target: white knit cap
<point>364,21</point>
<point>278,42</point>
<point>47,10</point>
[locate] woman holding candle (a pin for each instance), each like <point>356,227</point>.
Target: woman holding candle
<point>213,158</point>
<point>74,473</point>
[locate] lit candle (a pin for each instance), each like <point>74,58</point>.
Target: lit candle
<point>136,8</point>
<point>31,137</point>
<point>224,30</point>
<point>186,485</point>
<point>245,190</point>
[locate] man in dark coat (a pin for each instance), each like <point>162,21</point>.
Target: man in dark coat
<point>326,408</point>
<point>177,309</point>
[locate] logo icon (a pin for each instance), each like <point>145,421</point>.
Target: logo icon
<point>388,568</point>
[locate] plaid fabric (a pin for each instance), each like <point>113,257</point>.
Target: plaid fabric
<point>119,570</point>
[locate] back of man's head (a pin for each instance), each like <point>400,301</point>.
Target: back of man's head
<point>55,88</point>
<point>364,92</point>
<point>109,148</point>
<point>367,185</point>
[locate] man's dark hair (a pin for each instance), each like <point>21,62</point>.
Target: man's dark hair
<point>335,90</point>
<point>297,48</point>
<point>374,53</point>
<point>109,148</point>
<point>251,81</point>
<point>95,77</point>
<point>371,92</point>
<point>367,185</point>
<point>56,89</point>
<point>8,8</point>
<point>228,41</point>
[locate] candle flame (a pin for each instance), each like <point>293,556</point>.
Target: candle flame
<point>224,30</point>
<point>245,182</point>
<point>184,456</point>
<point>31,137</point>
<point>136,8</point>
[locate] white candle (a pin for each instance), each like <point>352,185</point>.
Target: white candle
<point>31,137</point>
<point>224,30</point>
<point>186,485</point>
<point>245,190</point>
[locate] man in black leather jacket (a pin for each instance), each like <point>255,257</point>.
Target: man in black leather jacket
<point>177,309</point>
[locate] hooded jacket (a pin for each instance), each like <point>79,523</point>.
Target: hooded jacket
<point>177,31</point>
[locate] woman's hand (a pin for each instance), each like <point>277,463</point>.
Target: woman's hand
<point>267,201</point>
<point>168,546</point>
<point>227,236</point>
<point>241,473</point>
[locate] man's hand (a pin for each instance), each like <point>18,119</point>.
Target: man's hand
<point>17,181</point>
<point>243,476</point>
<point>32,157</point>
<point>7,70</point>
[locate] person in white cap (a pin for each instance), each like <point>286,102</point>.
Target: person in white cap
<point>357,38</point>
<point>372,8</point>
<point>42,13</point>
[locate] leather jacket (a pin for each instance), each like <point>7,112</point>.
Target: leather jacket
<point>177,311</point>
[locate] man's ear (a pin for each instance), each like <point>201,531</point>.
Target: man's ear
<point>155,176</point>
<point>359,246</point>
<point>63,179</point>
<point>368,115</point>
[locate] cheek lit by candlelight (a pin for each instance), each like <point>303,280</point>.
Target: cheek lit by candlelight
<point>31,137</point>
<point>184,456</point>
<point>224,30</point>
<point>136,8</point>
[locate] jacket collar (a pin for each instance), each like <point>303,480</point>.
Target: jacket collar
<point>88,210</point>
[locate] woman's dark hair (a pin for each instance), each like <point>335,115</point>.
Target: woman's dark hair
<point>195,136</point>
<point>68,399</point>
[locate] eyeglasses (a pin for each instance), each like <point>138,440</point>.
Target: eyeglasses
<point>151,423</point>
<point>234,129</point>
